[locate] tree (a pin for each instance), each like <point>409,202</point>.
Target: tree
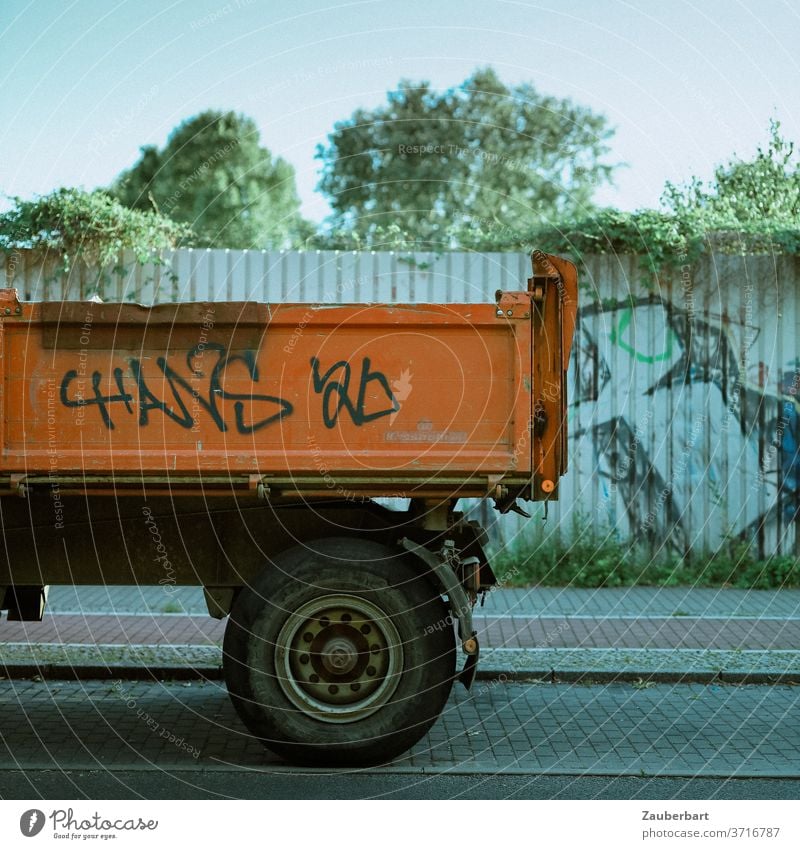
<point>214,174</point>
<point>763,190</point>
<point>480,156</point>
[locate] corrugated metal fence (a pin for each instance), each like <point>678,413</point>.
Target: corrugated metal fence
<point>684,422</point>
<point>300,276</point>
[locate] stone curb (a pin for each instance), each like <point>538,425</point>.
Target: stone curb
<point>497,666</point>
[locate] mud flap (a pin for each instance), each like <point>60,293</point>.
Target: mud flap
<point>459,604</point>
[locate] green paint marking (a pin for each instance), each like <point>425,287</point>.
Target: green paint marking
<point>617,332</point>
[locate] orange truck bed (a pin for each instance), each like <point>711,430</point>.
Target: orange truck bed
<point>380,399</point>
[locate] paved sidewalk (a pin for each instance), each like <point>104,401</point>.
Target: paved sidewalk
<point>665,634</point>
<point>613,729</point>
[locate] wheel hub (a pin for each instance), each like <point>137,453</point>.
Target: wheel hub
<point>338,658</point>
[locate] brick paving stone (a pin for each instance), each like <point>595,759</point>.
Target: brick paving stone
<point>494,632</point>
<point>645,601</point>
<point>537,601</point>
<point>613,729</point>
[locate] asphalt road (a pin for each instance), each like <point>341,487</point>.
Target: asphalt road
<point>154,784</point>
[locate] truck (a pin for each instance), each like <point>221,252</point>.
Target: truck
<point>303,464</point>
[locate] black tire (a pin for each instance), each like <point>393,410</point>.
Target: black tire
<point>401,669</point>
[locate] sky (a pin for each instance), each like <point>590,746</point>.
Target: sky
<point>84,84</point>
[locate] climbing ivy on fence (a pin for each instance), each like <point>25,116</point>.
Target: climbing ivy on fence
<point>72,225</point>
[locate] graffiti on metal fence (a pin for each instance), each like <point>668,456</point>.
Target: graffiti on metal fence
<point>684,423</point>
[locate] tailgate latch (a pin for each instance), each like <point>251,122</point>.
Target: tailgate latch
<point>513,304</point>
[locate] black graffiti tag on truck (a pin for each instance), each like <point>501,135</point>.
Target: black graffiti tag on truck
<point>176,408</point>
<point>336,393</point>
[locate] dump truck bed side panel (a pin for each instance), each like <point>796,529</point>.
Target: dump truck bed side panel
<point>368,391</point>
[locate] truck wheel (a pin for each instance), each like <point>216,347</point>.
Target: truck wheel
<point>339,653</point>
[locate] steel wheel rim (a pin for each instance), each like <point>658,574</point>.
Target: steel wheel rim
<point>338,658</point>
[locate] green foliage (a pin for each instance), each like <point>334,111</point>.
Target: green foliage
<point>587,557</point>
<point>766,188</point>
<point>749,207</point>
<point>389,238</point>
<point>434,163</point>
<point>214,174</point>
<point>737,564</point>
<point>73,225</point>
<point>661,240</point>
